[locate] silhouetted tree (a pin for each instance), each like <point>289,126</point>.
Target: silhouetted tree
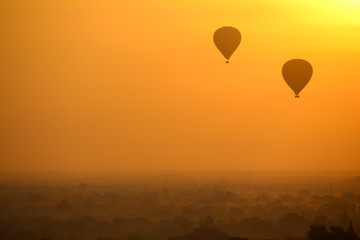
<point>350,233</point>
<point>238,238</point>
<point>336,233</point>
<point>204,233</point>
<point>292,224</point>
<point>319,233</point>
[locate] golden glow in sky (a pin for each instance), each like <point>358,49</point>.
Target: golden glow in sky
<point>103,84</point>
<point>342,12</point>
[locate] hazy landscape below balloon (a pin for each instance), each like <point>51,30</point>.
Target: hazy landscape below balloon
<point>161,205</point>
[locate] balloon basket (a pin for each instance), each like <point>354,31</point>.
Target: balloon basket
<point>297,96</point>
<point>227,62</point>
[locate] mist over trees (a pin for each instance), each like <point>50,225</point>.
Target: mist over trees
<point>179,206</point>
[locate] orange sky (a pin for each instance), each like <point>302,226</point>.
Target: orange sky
<point>113,84</point>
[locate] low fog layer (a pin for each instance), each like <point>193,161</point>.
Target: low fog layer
<point>176,205</point>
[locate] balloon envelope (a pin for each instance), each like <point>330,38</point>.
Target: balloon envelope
<point>227,40</point>
<point>297,73</point>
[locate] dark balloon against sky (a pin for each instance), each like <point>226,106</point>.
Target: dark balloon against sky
<point>297,73</point>
<point>227,40</point>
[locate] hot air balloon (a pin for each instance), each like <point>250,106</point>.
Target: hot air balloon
<point>227,40</point>
<point>297,73</point>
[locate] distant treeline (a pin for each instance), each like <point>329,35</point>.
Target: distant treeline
<point>172,208</point>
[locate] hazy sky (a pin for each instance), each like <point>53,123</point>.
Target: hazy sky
<point>139,84</point>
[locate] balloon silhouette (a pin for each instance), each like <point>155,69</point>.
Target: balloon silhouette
<point>297,73</point>
<point>227,40</point>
